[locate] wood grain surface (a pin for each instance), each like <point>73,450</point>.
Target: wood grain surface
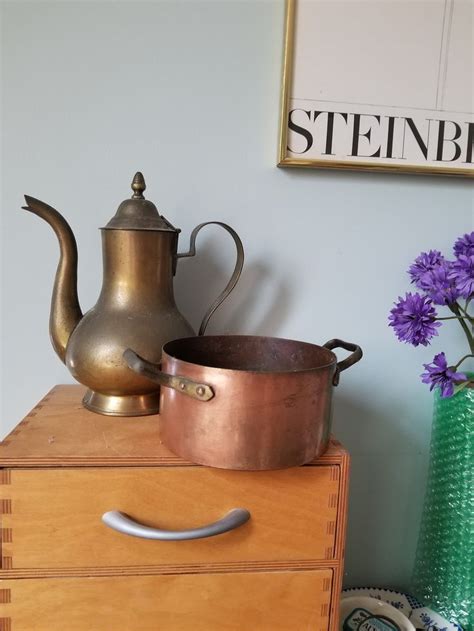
<point>59,431</point>
<point>53,516</point>
<point>260,601</point>
<point>62,569</point>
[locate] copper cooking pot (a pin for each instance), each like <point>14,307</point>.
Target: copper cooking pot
<point>246,402</point>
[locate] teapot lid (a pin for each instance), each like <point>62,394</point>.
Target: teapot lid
<point>139,213</point>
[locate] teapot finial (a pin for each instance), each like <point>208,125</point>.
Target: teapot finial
<point>139,213</point>
<point>138,186</point>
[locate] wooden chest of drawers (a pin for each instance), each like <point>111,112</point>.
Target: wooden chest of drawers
<point>63,569</point>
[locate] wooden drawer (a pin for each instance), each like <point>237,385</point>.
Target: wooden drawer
<point>63,467</point>
<point>52,517</point>
<point>250,601</point>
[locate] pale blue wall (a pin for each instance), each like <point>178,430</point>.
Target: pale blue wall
<point>189,94</point>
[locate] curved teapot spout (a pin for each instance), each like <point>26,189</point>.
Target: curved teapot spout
<point>65,310</point>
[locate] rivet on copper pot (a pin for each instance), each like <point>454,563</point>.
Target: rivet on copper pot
<point>200,391</point>
<point>182,385</point>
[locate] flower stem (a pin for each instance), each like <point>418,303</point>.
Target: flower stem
<point>461,360</point>
<point>470,339</point>
<point>464,311</point>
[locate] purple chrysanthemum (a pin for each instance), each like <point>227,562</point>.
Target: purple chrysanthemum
<point>413,319</point>
<point>426,262</point>
<point>440,285</point>
<point>464,245</point>
<point>462,273</point>
<point>439,374</point>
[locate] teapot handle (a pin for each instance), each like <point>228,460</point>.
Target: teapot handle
<point>235,274</point>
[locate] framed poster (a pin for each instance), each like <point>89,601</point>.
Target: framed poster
<point>382,85</point>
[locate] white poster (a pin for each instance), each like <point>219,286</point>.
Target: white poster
<point>379,84</point>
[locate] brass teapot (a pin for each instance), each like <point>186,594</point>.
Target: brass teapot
<point>136,306</point>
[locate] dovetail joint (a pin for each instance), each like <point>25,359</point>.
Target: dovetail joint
<point>5,507</point>
<point>7,564</point>
<point>5,624</point>
<point>5,596</point>
<point>326,584</point>
<point>333,500</point>
<point>5,476</point>
<point>334,473</point>
<point>324,610</point>
<point>6,535</point>
<point>331,528</point>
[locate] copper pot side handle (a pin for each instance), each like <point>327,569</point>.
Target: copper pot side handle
<point>235,274</point>
<point>353,358</point>
<point>124,524</point>
<point>193,389</point>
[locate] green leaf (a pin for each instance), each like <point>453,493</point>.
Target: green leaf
<point>461,386</point>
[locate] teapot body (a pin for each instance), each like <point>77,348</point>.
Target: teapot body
<point>136,308</point>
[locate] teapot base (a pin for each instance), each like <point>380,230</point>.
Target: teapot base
<point>124,405</point>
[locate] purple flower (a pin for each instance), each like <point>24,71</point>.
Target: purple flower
<point>439,374</point>
<point>426,262</point>
<point>464,245</point>
<point>413,319</point>
<point>462,273</point>
<point>440,285</point>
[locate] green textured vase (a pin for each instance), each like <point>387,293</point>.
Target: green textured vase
<point>443,577</point>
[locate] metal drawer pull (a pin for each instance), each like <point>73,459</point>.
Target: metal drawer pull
<point>127,526</point>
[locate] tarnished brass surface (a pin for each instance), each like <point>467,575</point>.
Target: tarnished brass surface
<point>138,213</point>
<point>193,389</point>
<point>65,309</point>
<point>125,405</point>
<point>136,306</point>
<point>272,400</point>
<point>235,275</point>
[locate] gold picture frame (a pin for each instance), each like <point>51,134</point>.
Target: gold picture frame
<point>285,157</point>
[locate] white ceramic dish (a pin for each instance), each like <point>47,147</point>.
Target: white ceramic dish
<point>420,616</point>
<point>355,609</point>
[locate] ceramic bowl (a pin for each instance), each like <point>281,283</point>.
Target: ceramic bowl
<point>419,615</point>
<point>355,609</point>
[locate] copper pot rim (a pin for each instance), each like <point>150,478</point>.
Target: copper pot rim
<point>185,363</point>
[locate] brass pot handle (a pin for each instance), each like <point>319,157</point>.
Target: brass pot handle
<point>235,274</point>
<point>353,358</point>
<point>199,391</point>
